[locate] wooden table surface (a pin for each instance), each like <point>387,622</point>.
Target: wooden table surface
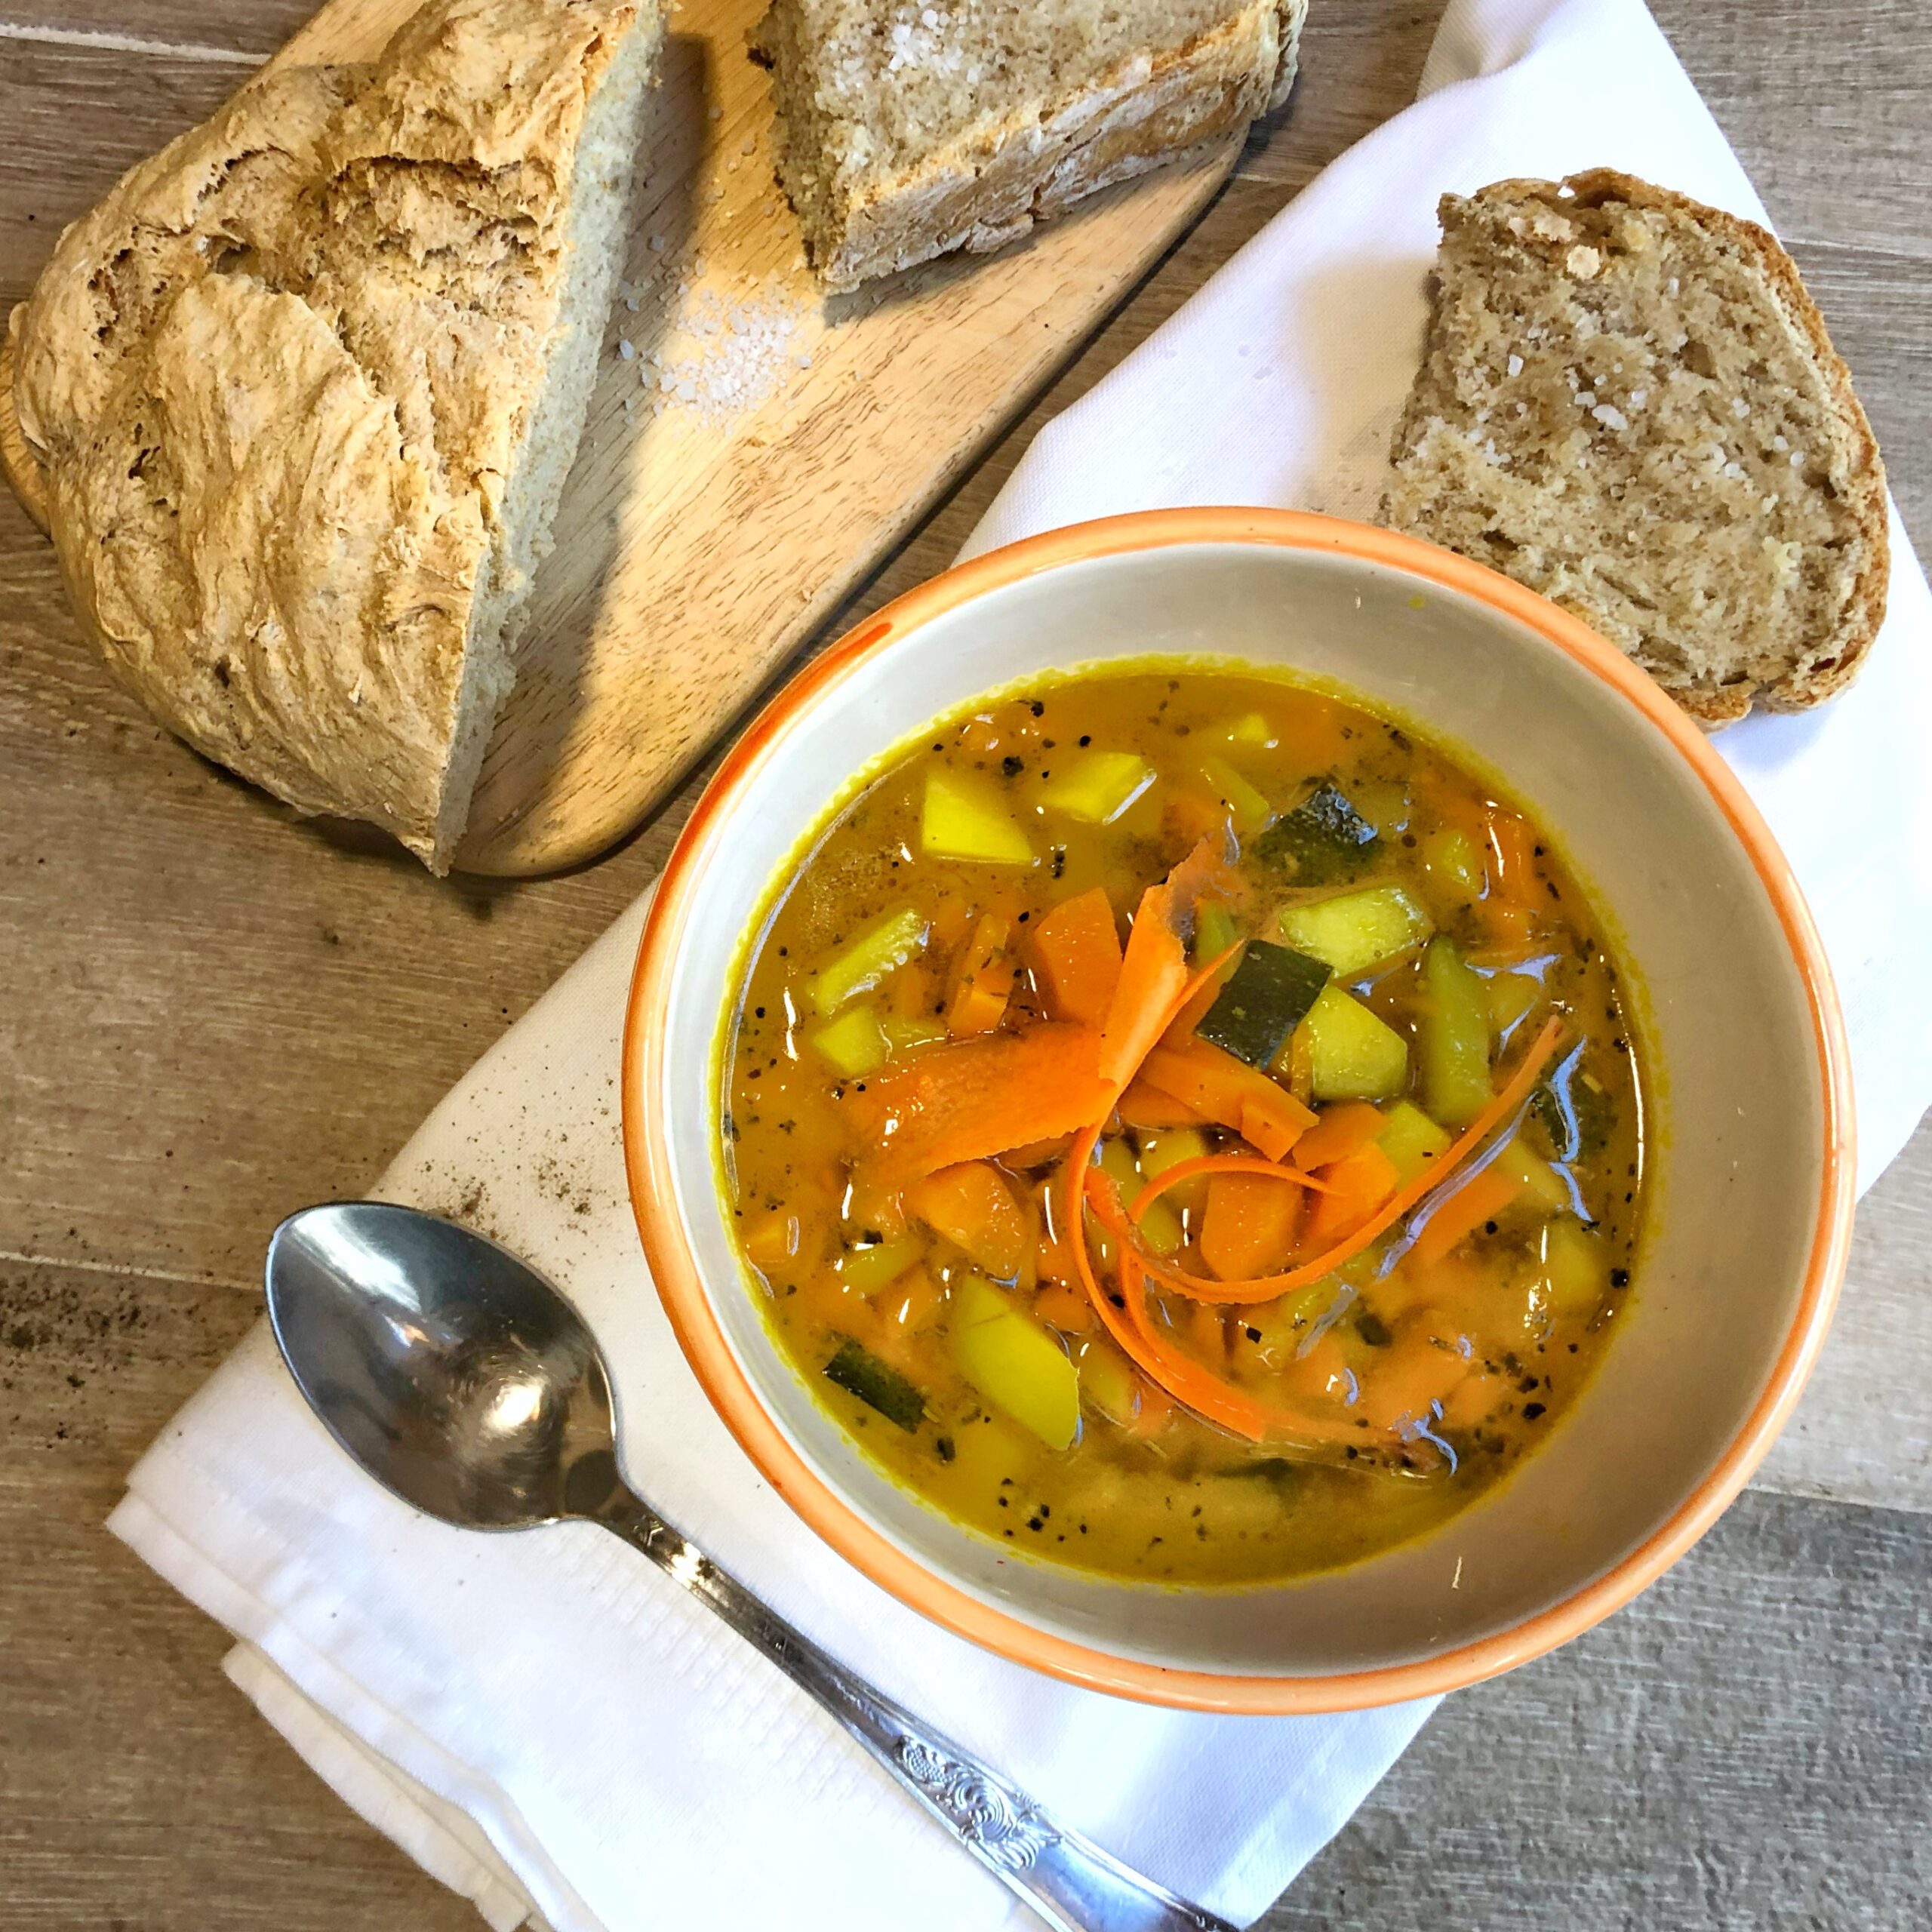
<point>210,1014</point>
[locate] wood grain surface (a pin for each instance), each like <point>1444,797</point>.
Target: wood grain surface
<point>210,1013</point>
<point>753,446</point>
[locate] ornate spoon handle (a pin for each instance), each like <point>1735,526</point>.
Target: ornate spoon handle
<point>1072,1884</point>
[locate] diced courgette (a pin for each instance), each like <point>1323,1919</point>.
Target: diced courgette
<point>882,948</point>
<point>1214,931</point>
<point>860,1373</point>
<point>1411,1140</point>
<point>1454,1036</point>
<point>961,820</point>
<point>1323,842</point>
<point>1013,1362</point>
<point>1353,1055</point>
<point>854,1043</point>
<point>1267,996</point>
<point>1358,929</point>
<point>1095,786</point>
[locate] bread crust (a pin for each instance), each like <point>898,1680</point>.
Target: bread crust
<point>277,379</point>
<point>1824,667</point>
<point>996,180</point>
<point>1865,607</point>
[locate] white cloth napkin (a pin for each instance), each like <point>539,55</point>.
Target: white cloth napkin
<point>543,1721</point>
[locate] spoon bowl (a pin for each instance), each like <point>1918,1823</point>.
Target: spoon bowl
<point>452,1371</point>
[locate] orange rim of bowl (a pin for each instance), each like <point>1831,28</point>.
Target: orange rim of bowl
<point>674,1267</point>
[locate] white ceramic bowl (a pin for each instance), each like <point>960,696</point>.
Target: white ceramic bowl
<point>1750,1131</point>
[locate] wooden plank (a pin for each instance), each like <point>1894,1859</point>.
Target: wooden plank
<point>18,465</point>
<point>238,33</point>
<point>1827,105</point>
<point>214,1013</point>
<point>110,1684</point>
<point>77,117</point>
<point>1749,1744</point>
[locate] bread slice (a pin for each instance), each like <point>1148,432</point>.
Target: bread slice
<point>305,385</point>
<point>908,128</point>
<point>1629,403</point>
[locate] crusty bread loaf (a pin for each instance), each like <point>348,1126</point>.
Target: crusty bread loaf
<point>1629,403</point>
<point>305,386</point>
<point>908,128</point>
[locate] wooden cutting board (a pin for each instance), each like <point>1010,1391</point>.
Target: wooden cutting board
<point>731,492</point>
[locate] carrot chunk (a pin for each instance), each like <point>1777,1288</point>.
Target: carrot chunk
<point>1226,1089</point>
<point>984,982</point>
<point>1154,983</point>
<point>968,1099</point>
<point>1340,1131</point>
<point>1249,1225</point>
<point>1148,1107</point>
<point>1076,958</point>
<point>972,1205</point>
<point>1357,1187</point>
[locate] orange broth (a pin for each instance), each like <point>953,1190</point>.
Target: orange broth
<point>1405,931</point>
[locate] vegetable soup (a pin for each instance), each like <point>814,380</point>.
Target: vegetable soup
<point>1183,1126</point>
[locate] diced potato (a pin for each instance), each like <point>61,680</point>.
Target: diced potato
<point>1168,1148</point>
<point>1352,1055</point>
<point>1574,1268</point>
<point>987,1449</point>
<point>1095,786</point>
<point>1107,1380</point>
<point>1385,804</point>
<point>1358,930</point>
<point>962,820</point>
<point>1285,1325</point>
<point>882,948</point>
<point>1249,808</point>
<point>1160,1227</point>
<point>854,1043</point>
<point>1509,997</point>
<point>1537,1178</point>
<point>1014,1363</point>
<point>1452,862</point>
<point>1250,729</point>
<point>903,1033</point>
<point>878,1264</point>
<point>1454,1036</point>
<point>1411,1140</point>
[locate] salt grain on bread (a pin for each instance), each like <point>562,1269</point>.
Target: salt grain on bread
<point>305,385</point>
<point>906,130</point>
<point>1629,403</point>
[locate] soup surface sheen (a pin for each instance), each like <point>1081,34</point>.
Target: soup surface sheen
<point>1410,1081</point>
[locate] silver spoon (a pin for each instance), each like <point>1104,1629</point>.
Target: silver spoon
<point>459,1378</point>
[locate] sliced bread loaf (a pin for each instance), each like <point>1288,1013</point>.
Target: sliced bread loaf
<point>907,129</point>
<point>1629,403</point>
<point>304,389</point>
